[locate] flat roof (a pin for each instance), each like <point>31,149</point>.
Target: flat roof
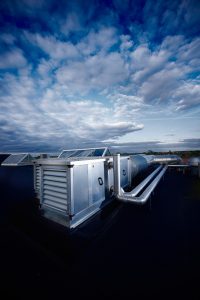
<point>124,250</point>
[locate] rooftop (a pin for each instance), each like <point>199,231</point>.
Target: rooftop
<point>122,251</point>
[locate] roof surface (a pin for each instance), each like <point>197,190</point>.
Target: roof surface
<point>123,251</point>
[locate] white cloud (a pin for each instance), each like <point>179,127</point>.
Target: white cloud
<point>50,116</point>
<point>188,95</point>
<point>12,59</point>
<point>60,101</point>
<point>96,41</point>
<point>127,106</point>
<point>94,73</point>
<point>189,54</point>
<point>89,66</point>
<point>126,42</point>
<point>157,75</point>
<point>161,85</point>
<point>56,49</point>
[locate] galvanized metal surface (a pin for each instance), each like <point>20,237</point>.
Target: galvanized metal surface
<point>80,188</point>
<point>124,171</point>
<point>127,197</point>
<point>166,158</point>
<point>88,187</point>
<point>77,187</point>
<point>37,180</point>
<point>139,163</point>
<point>54,189</point>
<point>140,186</point>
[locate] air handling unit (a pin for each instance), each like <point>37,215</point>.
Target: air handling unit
<point>79,182</point>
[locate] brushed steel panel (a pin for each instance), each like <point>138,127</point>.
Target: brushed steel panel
<point>97,182</point>
<point>124,172</point>
<point>80,188</point>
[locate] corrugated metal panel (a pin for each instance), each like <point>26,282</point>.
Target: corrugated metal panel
<point>54,192</point>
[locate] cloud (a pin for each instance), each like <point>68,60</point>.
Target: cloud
<point>145,62</point>
<point>161,85</point>
<point>56,49</point>
<point>169,17</point>
<point>12,59</point>
<point>86,72</point>
<point>95,72</point>
<point>139,147</point>
<point>189,54</point>
<point>27,116</point>
<point>126,43</point>
<point>158,74</point>
<point>95,41</point>
<point>188,94</point>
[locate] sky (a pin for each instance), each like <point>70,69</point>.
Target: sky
<point>77,74</point>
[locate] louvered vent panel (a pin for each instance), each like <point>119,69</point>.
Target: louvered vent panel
<point>55,189</point>
<point>37,178</point>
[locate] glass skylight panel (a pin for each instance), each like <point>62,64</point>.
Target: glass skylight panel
<point>15,159</point>
<point>96,152</point>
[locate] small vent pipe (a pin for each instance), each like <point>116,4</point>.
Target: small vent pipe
<point>132,196</point>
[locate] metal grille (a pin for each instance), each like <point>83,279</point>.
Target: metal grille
<point>37,182</point>
<point>55,189</point>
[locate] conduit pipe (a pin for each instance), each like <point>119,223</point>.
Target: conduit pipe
<point>140,186</point>
<point>128,197</point>
<point>178,166</point>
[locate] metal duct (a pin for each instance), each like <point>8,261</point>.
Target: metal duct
<point>139,163</point>
<point>166,158</point>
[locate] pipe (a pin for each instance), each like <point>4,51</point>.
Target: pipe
<point>116,171</point>
<point>178,166</point>
<point>140,186</point>
<point>127,197</point>
<point>146,194</point>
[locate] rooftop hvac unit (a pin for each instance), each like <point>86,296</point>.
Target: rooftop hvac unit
<point>75,185</point>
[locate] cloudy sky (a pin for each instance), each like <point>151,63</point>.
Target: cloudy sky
<point>92,73</point>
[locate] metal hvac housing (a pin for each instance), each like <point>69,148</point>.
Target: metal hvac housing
<point>76,184</point>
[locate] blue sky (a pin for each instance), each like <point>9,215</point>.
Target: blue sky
<point>92,73</point>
